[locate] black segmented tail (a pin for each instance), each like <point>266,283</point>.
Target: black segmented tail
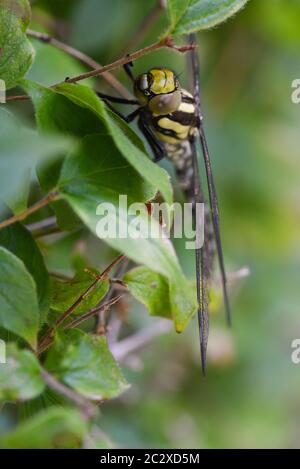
<point>181,156</point>
<point>185,162</point>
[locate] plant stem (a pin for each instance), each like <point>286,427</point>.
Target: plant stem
<point>98,279</point>
<point>48,334</point>
<point>88,409</point>
<point>104,307</point>
<point>77,321</point>
<point>46,38</point>
<point>131,344</point>
<point>165,42</point>
<point>34,208</point>
<point>101,319</point>
<point>44,227</point>
<point>64,278</point>
<point>20,97</point>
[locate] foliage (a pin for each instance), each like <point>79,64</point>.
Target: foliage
<point>71,145</point>
<point>194,15</point>
<point>18,298</point>
<point>85,363</point>
<point>21,378</point>
<point>52,428</point>
<point>17,52</point>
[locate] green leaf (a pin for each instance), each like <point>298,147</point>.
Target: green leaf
<point>187,16</point>
<point>8,121</point>
<point>55,112</point>
<point>83,113</point>
<point>20,376</point>
<point>48,175</point>
<point>19,241</point>
<point>96,172</point>
<point>151,289</point>
<point>104,166</point>
<point>21,150</point>
<point>55,427</point>
<point>17,201</point>
<point>85,183</point>
<point>125,139</point>
<point>19,311</point>
<point>17,52</point>
<point>20,9</point>
<point>84,362</point>
<point>98,442</point>
<point>65,293</point>
<point>52,64</point>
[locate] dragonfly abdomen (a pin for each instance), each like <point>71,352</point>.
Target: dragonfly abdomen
<point>175,131</point>
<point>181,157</point>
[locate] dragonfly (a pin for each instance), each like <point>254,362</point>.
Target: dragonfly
<point>171,120</point>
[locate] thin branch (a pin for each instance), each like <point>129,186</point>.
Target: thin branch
<point>48,334</point>
<point>46,38</point>
<point>121,350</point>
<point>20,97</point>
<point>237,275</point>
<point>118,284</point>
<point>49,231</point>
<point>34,208</point>
<point>60,276</point>
<point>88,410</point>
<point>114,329</point>
<point>104,307</point>
<point>42,224</point>
<point>165,42</point>
<point>77,321</point>
<point>44,227</point>
<point>96,434</point>
<point>101,318</point>
<point>98,279</point>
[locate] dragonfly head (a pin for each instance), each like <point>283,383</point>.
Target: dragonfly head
<point>159,89</point>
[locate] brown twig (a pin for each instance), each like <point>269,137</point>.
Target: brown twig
<point>60,276</point>
<point>237,275</point>
<point>42,227</point>
<point>165,42</point>
<point>77,321</point>
<point>125,347</point>
<point>101,318</point>
<point>48,334</point>
<point>88,410</point>
<point>104,307</point>
<point>84,58</point>
<point>96,434</point>
<point>118,284</point>
<point>21,216</point>
<point>20,97</point>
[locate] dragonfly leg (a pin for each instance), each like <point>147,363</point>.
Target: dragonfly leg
<point>127,67</point>
<point>115,99</point>
<point>129,118</point>
<point>155,145</point>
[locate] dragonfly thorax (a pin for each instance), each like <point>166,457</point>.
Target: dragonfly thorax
<point>179,125</point>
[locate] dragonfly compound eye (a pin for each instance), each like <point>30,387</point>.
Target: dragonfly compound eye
<point>141,88</point>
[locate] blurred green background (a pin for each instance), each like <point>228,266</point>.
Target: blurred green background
<point>250,397</point>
